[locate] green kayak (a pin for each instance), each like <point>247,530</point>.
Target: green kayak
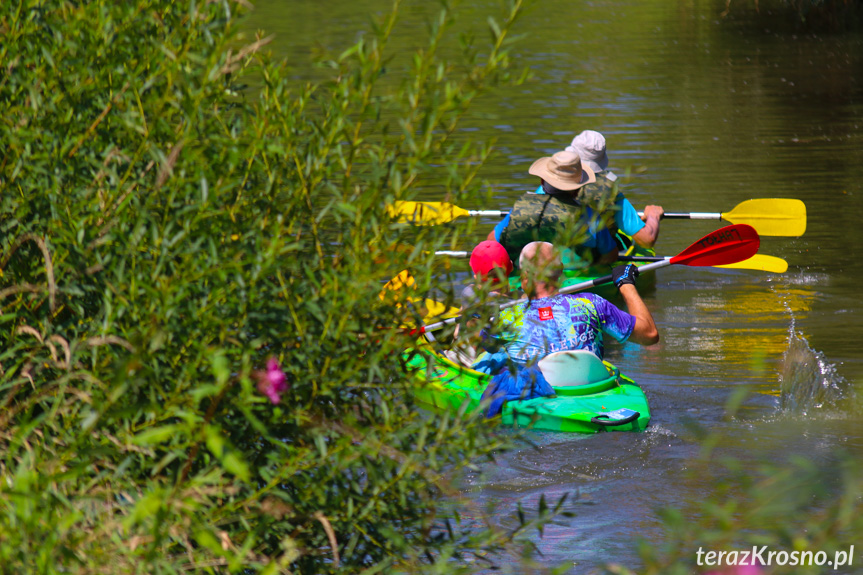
<point>608,401</point>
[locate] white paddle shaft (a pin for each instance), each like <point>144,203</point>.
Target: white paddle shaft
<point>689,216</point>
<point>497,213</point>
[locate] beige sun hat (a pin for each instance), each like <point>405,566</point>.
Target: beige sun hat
<point>563,170</point>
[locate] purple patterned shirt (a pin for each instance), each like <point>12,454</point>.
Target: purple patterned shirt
<point>560,323</point>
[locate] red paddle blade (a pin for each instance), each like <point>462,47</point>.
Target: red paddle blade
<point>727,245</point>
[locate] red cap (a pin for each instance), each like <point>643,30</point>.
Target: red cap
<point>488,255</point>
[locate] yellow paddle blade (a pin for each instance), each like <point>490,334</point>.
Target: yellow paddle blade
<point>435,310</point>
<point>425,213</point>
<point>402,280</point>
<point>430,310</point>
<point>762,263</point>
<point>770,216</point>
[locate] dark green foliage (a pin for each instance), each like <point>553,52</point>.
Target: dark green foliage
<point>164,233</point>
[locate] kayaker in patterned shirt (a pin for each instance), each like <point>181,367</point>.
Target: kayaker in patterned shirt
<point>549,321</point>
<point>553,213</point>
<point>604,196</point>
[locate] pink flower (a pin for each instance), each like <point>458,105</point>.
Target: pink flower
<point>273,382</point>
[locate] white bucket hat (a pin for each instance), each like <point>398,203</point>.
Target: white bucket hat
<point>590,146</point>
<point>564,171</point>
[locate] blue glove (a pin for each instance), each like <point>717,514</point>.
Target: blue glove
<point>624,274</point>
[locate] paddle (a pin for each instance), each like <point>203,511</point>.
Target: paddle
<point>769,216</point>
<point>433,213</point>
<point>761,263</point>
<point>725,246</point>
<point>757,262</point>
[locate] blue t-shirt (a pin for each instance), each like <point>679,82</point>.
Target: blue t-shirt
<point>561,323</point>
<point>599,237</point>
<point>626,217</point>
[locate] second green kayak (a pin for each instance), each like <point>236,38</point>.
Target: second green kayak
<point>611,403</point>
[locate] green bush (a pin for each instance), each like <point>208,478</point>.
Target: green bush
<point>175,212</point>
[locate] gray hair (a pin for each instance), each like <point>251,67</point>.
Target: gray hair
<point>542,261</point>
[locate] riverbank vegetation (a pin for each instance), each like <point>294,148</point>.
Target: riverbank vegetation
<point>197,371</point>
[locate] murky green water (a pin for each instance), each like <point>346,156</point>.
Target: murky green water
<point>707,112</point>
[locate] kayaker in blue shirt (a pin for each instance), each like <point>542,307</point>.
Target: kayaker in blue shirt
<point>554,213</point>
<point>549,322</point>
<point>590,146</point>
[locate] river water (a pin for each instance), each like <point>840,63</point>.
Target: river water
<point>705,112</point>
